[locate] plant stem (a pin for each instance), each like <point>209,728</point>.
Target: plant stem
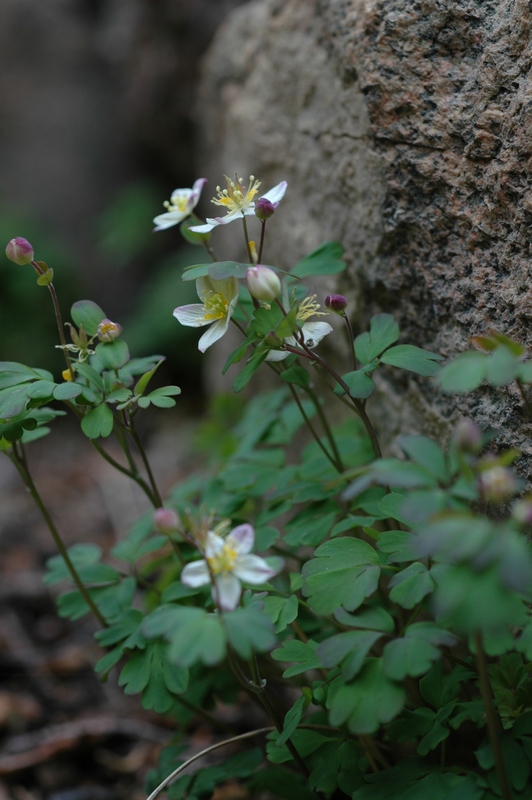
<point>58,318</point>
<point>138,444</point>
<point>312,430</point>
<point>351,338</point>
<point>134,476</point>
<point>24,473</point>
<point>326,426</point>
<point>261,245</point>
<point>493,720</point>
<point>247,238</point>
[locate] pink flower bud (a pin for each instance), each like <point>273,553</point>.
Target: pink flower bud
<point>264,208</point>
<point>20,251</point>
<point>522,511</point>
<point>263,283</point>
<point>467,437</point>
<point>166,520</point>
<point>108,331</point>
<point>336,303</point>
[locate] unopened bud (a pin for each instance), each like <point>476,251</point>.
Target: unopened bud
<point>166,520</point>
<point>336,303</point>
<point>497,484</point>
<point>108,331</point>
<point>20,251</point>
<point>467,437</point>
<point>273,341</point>
<point>264,209</point>
<point>263,283</point>
<point>522,511</point>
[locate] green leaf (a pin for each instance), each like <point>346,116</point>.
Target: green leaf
<point>373,618</point>
<point>415,359</point>
<point>90,374</point>
<point>239,765</point>
<point>238,354</point>
<point>144,379</point>
<point>248,630</point>
<point>220,270</point>
<point>397,545</point>
<point>302,653</point>
<point>411,585</point>
<point>426,453</point>
<point>464,373</point>
<point>98,422</point>
<point>414,653</point>
<point>149,672</point>
<point>42,390</point>
<point>371,700</point>
<point>360,384</point>
<point>67,391</point>
<point>292,719</point>
<point>383,332</point>
<point>88,314</point>
<point>350,649</point>
<point>243,377</point>
<point>297,375</point>
<point>502,367</point>
<point>195,271</point>
<point>194,634</point>
<point>326,260</point>
<point>311,525</point>
<point>162,397</point>
<point>281,610</point>
<point>113,355</point>
<point>81,555</point>
<point>13,400</point>
<point>344,572</point>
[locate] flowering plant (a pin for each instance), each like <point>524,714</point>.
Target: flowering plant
<point>388,597</point>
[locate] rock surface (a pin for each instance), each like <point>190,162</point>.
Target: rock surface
<point>403,129</point>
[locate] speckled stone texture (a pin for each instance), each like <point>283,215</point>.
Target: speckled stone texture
<point>404,129</point>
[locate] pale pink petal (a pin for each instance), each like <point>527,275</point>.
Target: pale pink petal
<point>277,193</point>
<point>195,193</point>
<point>203,228</point>
<point>242,538</point>
<point>193,315</point>
<point>195,574</point>
<point>253,569</point>
<point>226,591</point>
<point>213,333</point>
<point>180,193</point>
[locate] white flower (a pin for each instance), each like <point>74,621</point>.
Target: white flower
<point>218,302</point>
<point>313,332</point>
<point>180,205</point>
<point>227,562</point>
<point>239,201</point>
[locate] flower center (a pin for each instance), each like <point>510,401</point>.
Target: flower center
<point>216,306</point>
<point>235,196</point>
<point>224,561</point>
<point>309,308</point>
<point>178,202</point>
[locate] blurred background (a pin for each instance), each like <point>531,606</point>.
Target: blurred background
<point>97,128</point>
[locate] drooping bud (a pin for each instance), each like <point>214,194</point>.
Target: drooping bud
<point>20,251</point>
<point>467,437</point>
<point>166,520</point>
<point>108,331</point>
<point>263,283</point>
<point>264,209</point>
<point>336,303</point>
<point>497,484</point>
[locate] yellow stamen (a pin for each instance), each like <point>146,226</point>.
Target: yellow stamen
<point>178,202</point>
<point>216,306</point>
<point>235,196</point>
<point>309,308</point>
<point>224,561</point>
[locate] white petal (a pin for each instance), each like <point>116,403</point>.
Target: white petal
<point>203,228</point>
<point>314,332</point>
<point>193,315</point>
<point>277,355</point>
<point>164,221</point>
<point>195,574</point>
<point>277,193</point>
<point>253,569</point>
<point>214,545</point>
<point>226,591</point>
<point>242,538</point>
<point>180,193</point>
<point>213,333</point>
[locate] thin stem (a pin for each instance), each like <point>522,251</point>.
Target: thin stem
<point>261,245</point>
<point>247,238</point>
<point>493,720</point>
<point>209,249</point>
<point>526,401</point>
<point>312,430</point>
<point>58,318</point>
<point>138,444</point>
<point>326,426</point>
<point>351,338</point>
<point>134,476</point>
<point>25,474</point>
